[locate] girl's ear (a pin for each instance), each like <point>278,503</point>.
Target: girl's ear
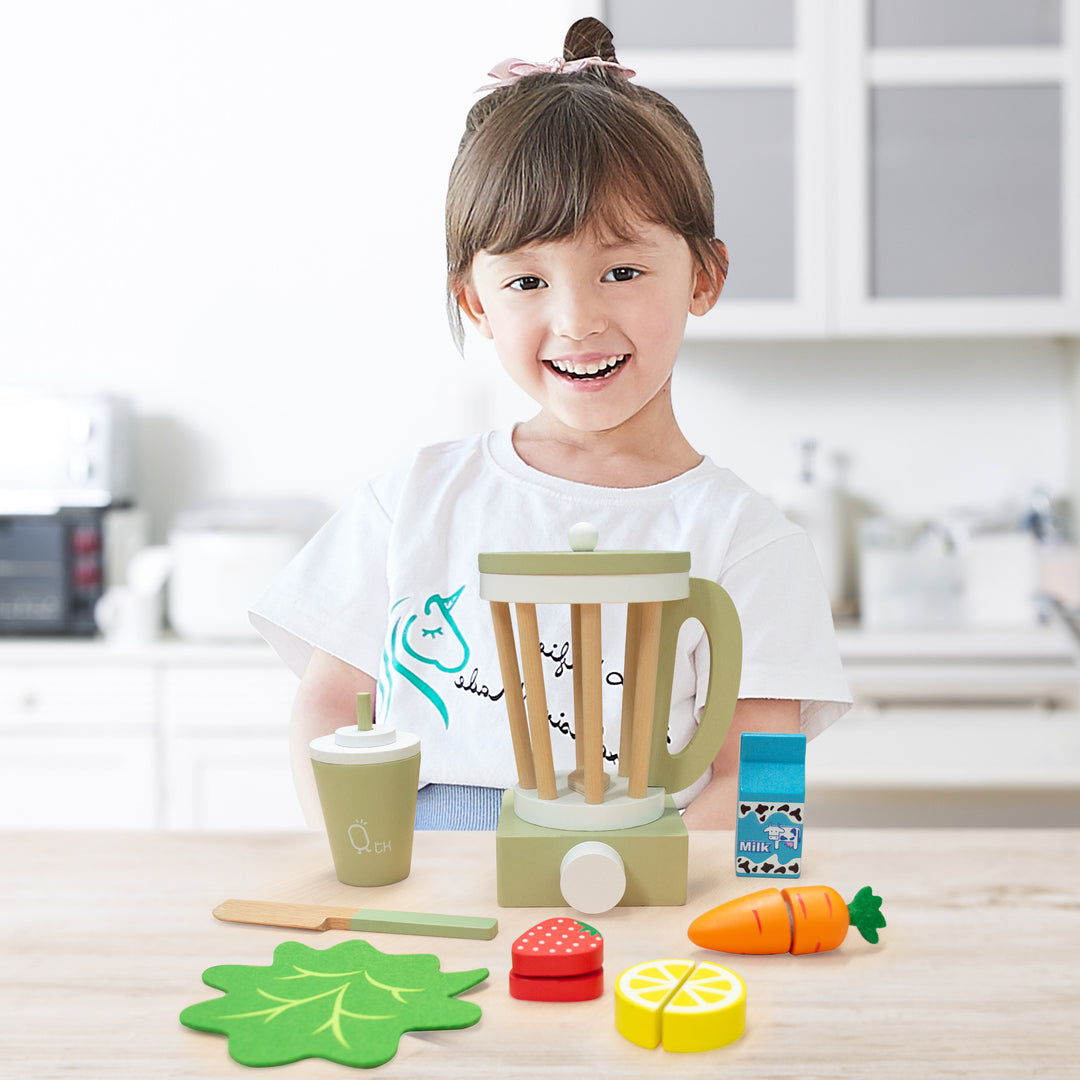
<point>709,281</point>
<point>469,301</point>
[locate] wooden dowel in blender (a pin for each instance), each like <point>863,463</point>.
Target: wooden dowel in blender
<point>592,705</point>
<point>575,651</point>
<point>630,654</point>
<point>515,703</point>
<point>536,700</point>
<point>644,699</point>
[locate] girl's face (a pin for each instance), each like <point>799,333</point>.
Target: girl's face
<point>589,329</point>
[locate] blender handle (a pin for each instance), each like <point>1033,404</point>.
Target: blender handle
<point>713,608</point>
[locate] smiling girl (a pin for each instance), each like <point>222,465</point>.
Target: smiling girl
<point>579,222</point>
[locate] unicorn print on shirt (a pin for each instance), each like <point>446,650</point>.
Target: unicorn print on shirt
<point>422,638</point>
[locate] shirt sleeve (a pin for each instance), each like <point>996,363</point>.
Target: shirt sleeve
<point>333,594</point>
<point>789,643</point>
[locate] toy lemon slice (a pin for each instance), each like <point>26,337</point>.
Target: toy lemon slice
<point>640,995</point>
<point>707,1011</point>
<point>683,1006</point>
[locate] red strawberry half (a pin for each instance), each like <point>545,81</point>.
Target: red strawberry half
<point>554,988</point>
<point>558,947</point>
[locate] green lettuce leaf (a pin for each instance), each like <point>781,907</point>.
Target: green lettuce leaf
<point>349,1003</point>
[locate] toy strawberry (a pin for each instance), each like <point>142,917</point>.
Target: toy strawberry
<point>558,947</point>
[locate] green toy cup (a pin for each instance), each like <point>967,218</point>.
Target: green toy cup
<point>367,782</point>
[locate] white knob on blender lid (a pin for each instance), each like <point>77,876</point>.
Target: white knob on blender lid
<point>583,536</point>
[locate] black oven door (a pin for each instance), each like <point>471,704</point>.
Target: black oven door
<point>50,572</point>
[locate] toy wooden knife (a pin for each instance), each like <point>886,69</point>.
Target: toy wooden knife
<point>317,917</point>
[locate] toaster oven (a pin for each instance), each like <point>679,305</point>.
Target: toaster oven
<point>65,488</point>
<point>52,571</point>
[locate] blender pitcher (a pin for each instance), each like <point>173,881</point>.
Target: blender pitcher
<point>549,815</point>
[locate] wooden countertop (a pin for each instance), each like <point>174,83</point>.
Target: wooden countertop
<point>105,937</point>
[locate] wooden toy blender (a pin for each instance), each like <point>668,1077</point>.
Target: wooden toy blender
<point>586,837</point>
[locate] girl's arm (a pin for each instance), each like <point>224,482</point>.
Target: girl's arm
<point>325,701</point>
<point>714,808</point>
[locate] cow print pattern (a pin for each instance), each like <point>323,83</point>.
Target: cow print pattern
<point>748,868</point>
<point>763,810</point>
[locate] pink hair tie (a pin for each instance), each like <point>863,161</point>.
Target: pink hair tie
<point>509,71</point>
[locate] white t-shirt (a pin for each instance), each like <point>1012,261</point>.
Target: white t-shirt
<point>390,585</point>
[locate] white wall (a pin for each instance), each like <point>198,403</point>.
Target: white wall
<point>232,213</point>
<point>927,426</point>
<point>231,210</point>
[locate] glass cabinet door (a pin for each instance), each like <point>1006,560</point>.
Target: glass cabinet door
<point>882,167</point>
<point>956,134</point>
<point>920,24</point>
<point>701,24</point>
<point>965,192</point>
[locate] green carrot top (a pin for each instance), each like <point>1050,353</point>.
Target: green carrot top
<point>864,913</point>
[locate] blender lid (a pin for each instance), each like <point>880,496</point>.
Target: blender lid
<point>584,559</point>
<point>584,562</point>
<point>584,575</point>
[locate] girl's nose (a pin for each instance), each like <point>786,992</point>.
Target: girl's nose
<point>578,315</point>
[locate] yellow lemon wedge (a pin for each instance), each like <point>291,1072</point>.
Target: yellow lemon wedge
<point>686,1007</point>
<point>641,992</point>
<point>707,1011</point>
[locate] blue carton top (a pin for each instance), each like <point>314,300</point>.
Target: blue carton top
<point>772,768</point>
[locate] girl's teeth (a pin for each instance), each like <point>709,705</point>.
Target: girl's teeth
<point>594,367</point>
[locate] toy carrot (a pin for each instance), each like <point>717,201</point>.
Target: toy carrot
<point>802,919</point>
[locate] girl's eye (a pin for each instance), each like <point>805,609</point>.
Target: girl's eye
<point>525,284</point>
<point>622,273</point>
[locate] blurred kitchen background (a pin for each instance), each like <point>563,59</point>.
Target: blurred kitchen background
<point>221,308</point>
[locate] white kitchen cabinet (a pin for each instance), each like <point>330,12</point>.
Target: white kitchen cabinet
<point>225,782</point>
<point>169,735</point>
<point>43,688</point>
<point>956,167</point>
<point>963,766</point>
<point>1034,668</point>
<point>68,779</point>
<point>78,744</point>
<point>960,728</point>
<point>882,167</point>
<point>226,747</point>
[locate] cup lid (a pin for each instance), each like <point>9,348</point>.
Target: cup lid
<point>363,743</point>
<point>330,748</point>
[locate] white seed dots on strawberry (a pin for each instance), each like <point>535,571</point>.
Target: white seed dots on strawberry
<point>558,946</point>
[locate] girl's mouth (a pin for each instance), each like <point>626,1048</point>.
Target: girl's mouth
<point>591,370</point>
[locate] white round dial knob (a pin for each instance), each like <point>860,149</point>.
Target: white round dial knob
<point>592,877</point>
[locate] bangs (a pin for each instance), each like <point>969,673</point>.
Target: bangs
<point>563,180</point>
<point>576,158</point>
<point>610,210</point>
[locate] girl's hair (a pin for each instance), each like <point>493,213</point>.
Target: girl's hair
<point>552,154</point>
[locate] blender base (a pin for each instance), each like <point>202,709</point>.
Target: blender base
<point>529,857</point>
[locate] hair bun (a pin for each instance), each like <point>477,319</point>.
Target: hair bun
<point>589,37</point>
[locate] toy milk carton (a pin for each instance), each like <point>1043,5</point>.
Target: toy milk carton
<point>769,816</point>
